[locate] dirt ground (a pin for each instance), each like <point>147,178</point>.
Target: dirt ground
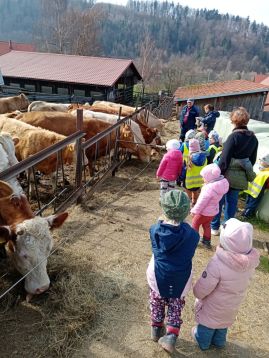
<point>102,273</point>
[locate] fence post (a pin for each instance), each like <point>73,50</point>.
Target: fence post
<point>116,150</point>
<point>79,168</point>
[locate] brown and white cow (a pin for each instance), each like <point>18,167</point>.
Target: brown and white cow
<point>33,140</point>
<point>144,116</point>
<point>48,107</point>
<point>28,238</point>
<point>10,104</point>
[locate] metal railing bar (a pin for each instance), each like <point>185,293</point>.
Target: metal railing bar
<point>38,157</point>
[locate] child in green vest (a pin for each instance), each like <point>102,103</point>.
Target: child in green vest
<point>215,145</point>
<point>195,163</point>
<point>257,187</point>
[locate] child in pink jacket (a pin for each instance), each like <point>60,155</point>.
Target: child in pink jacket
<point>222,286</point>
<point>170,166</point>
<point>207,205</point>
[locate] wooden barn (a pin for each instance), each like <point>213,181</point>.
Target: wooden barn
<point>87,77</point>
<point>226,95</point>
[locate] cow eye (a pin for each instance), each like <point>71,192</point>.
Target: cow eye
<point>20,232</point>
<point>25,256</point>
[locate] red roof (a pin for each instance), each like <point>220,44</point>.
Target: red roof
<point>219,89</point>
<point>64,68</point>
<point>266,82</point>
<point>260,77</point>
<point>7,46</point>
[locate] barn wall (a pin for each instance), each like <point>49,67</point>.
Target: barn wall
<point>254,103</point>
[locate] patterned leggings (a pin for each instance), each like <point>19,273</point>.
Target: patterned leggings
<point>166,185</point>
<point>157,307</point>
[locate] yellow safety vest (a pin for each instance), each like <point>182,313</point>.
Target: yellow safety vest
<point>256,186</point>
<point>217,149</point>
<point>193,177</point>
<point>185,152</point>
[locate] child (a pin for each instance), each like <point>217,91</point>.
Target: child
<point>169,272</point>
<point>222,286</point>
<point>215,146</point>
<point>184,148</point>
<point>170,167</point>
<point>207,205</point>
<point>195,163</point>
<point>257,187</point>
<point>203,141</point>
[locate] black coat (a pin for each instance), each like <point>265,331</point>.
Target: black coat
<point>194,112</point>
<point>241,143</point>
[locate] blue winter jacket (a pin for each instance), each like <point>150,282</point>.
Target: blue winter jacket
<point>198,158</point>
<point>173,249</point>
<point>194,112</point>
<point>209,120</point>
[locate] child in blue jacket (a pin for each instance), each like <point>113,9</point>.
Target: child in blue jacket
<point>169,272</point>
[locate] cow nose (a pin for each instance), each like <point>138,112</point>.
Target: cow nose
<point>41,289</point>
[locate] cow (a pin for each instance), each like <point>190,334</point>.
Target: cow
<point>144,116</point>
<point>141,132</point>
<point>8,158</point>
<point>66,124</point>
<point>28,239</point>
<point>48,107</point>
<point>10,104</point>
<point>33,140</point>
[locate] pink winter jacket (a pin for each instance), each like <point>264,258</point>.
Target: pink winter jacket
<point>209,198</point>
<point>222,287</point>
<point>171,165</point>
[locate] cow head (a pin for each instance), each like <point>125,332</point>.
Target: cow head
<point>28,245</point>
<point>143,152</point>
<point>24,102</point>
<point>28,239</point>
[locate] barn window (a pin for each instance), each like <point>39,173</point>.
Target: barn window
<point>78,92</point>
<point>62,90</point>
<point>14,84</point>
<point>46,89</point>
<point>29,87</point>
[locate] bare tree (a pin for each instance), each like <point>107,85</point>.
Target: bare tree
<point>149,59</point>
<point>63,29</point>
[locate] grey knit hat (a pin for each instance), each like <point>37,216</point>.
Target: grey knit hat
<point>175,205</point>
<point>201,138</point>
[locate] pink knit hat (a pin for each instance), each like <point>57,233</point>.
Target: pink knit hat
<point>210,172</point>
<point>194,145</point>
<point>236,236</point>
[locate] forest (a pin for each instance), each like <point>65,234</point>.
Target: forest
<point>171,44</point>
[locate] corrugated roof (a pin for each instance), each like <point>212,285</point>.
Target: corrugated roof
<point>219,89</point>
<point>7,46</point>
<point>260,77</point>
<point>100,71</point>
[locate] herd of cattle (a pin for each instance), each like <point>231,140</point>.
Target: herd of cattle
<point>27,237</point>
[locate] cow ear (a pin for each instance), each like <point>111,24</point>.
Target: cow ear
<point>11,246</point>
<point>5,189</point>
<point>56,220</point>
<point>5,234</point>
<point>15,140</point>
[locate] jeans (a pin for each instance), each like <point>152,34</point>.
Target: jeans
<point>252,203</point>
<point>229,201</point>
<point>206,337</point>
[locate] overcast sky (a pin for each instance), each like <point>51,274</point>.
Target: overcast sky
<point>257,10</point>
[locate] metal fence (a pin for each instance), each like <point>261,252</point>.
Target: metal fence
<point>55,193</point>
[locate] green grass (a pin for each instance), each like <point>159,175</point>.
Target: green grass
<point>264,264</point>
<point>259,224</point>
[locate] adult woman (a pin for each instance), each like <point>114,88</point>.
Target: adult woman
<point>239,153</point>
<point>209,120</point>
<point>187,118</point>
